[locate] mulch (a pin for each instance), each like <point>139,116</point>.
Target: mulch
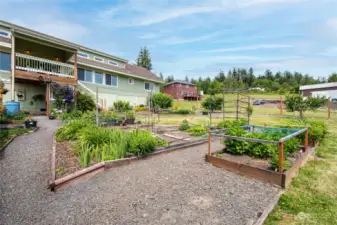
<point>66,161</point>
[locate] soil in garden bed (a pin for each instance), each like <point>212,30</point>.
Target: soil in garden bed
<point>66,162</point>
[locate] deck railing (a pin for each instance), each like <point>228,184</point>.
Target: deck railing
<point>39,65</point>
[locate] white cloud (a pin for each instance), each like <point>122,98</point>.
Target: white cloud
<point>178,40</point>
<point>249,48</point>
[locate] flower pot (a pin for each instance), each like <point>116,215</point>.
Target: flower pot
<point>30,124</point>
<point>130,120</point>
<point>52,117</point>
<point>110,122</point>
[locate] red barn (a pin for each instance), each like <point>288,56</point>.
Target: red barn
<point>182,90</point>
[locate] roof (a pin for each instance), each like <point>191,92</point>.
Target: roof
<point>130,70</point>
<point>33,33</point>
<point>318,86</point>
<point>180,82</point>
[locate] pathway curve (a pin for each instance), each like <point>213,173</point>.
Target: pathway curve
<point>173,188</point>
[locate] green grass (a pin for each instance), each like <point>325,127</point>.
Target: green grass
<point>6,135</point>
<point>312,196</point>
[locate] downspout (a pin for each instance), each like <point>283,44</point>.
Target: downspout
<point>12,66</point>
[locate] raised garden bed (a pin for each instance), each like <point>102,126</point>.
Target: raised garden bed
<point>260,168</point>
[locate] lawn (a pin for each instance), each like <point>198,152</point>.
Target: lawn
<point>312,196</point>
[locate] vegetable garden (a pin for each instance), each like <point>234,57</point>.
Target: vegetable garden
<point>281,149</point>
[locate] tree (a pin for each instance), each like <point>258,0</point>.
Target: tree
<point>296,103</point>
<point>161,76</point>
<point>85,102</point>
<point>332,78</point>
<point>215,104</point>
<point>169,79</point>
<point>144,59</point>
<point>186,79</point>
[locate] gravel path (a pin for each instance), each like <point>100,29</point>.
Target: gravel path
<point>174,188</point>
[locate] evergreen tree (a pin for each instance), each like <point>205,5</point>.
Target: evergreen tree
<point>186,79</point>
<point>332,78</point>
<point>161,76</point>
<point>144,59</point>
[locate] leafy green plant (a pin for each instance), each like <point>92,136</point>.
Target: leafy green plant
<point>85,102</point>
<point>275,162</point>
<point>130,114</point>
<point>215,104</point>
<point>122,106</point>
<point>76,114</point>
<point>71,130</point>
<point>184,125</point>
<point>197,130</point>
<point>108,115</point>
<point>85,155</point>
<point>141,142</point>
<point>161,101</point>
<point>232,123</point>
<point>161,142</point>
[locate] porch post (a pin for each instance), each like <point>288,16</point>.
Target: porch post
<point>75,77</point>
<point>47,99</point>
<point>13,67</point>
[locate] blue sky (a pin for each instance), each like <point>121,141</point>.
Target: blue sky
<point>194,38</point>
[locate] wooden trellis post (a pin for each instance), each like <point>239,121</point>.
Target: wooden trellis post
<point>280,156</point>
<point>306,141</point>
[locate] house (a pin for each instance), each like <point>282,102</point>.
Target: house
<point>328,90</point>
<point>182,90</point>
<point>38,60</point>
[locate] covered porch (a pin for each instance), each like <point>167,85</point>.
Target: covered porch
<point>38,64</point>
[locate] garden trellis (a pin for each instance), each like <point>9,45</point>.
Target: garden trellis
<point>232,108</point>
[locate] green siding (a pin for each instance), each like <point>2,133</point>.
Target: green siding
<point>92,55</point>
<point>134,93</point>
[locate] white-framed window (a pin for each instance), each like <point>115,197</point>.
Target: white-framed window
<point>149,86</point>
<point>83,55</point>
<point>181,92</point>
<point>98,59</point>
<point>4,33</point>
<point>112,62</point>
<point>131,81</point>
<point>111,80</point>
<point>88,76</point>
<point>98,78</point>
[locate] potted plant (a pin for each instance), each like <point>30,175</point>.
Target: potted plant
<point>130,117</point>
<point>30,122</point>
<point>205,112</point>
<point>109,117</point>
<point>52,114</point>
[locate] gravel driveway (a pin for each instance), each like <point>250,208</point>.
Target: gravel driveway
<point>173,188</point>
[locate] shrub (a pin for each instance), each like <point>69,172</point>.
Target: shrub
<point>161,101</point>
<point>184,125</point>
<point>216,104</point>
<point>140,108</point>
<point>108,115</point>
<point>197,130</point>
<point>122,106</point>
<point>85,102</point>
<point>76,114</point>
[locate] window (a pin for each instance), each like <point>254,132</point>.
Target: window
<point>5,61</point>
<point>114,63</point>
<point>4,33</point>
<point>80,74</point>
<point>111,80</point>
<point>149,87</point>
<point>87,76</point>
<point>83,55</point>
<point>131,81</point>
<point>98,59</point>
<point>98,78</point>
<point>181,92</point>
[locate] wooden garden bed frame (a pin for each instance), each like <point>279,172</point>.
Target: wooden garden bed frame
<point>281,178</point>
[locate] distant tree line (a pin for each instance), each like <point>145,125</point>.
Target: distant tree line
<point>280,82</point>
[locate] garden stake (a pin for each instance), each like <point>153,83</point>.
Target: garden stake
<point>209,142</point>
<point>280,156</point>
<point>306,144</point>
